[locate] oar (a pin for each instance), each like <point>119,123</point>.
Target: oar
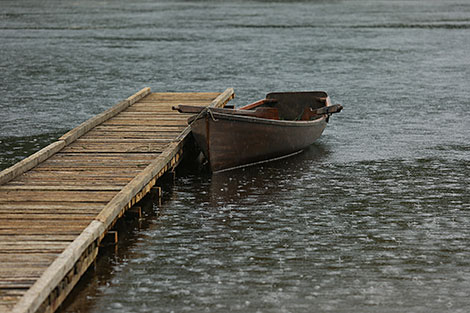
<point>258,103</point>
<point>263,112</point>
<point>310,112</point>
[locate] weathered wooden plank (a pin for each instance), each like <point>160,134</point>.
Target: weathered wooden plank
<point>75,133</point>
<point>6,307</point>
<point>90,167</point>
<point>27,257</point>
<point>140,95</point>
<point>31,215</point>
<point>19,269</point>
<point>8,297</point>
<point>106,156</point>
<point>22,244</point>
<point>70,181</point>
<point>222,99</point>
<point>147,122</point>
<point>8,300</point>
<point>30,162</point>
<point>163,115</point>
<point>19,237</point>
<point>165,110</point>
<point>112,141</point>
<point>17,283</point>
<point>9,270</point>
<point>43,230</point>
<point>12,270</point>
<point>13,292</point>
<point>81,161</point>
<point>31,250</point>
<point>203,96</point>
<point>130,135</point>
<point>59,187</point>
<point>151,100</point>
<point>57,223</point>
<point>56,196</point>
<point>151,118</point>
<point>156,107</point>
<point>53,206</point>
<point>39,230</point>
<point>31,247</point>
<point>123,173</point>
<point>82,168</point>
<point>44,178</point>
<point>116,147</point>
<point>160,108</point>
<point>169,102</point>
<point>43,215</point>
<point>66,165</point>
<point>87,159</point>
<point>70,212</point>
<point>141,128</point>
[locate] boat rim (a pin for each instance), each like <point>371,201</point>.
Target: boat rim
<point>252,119</point>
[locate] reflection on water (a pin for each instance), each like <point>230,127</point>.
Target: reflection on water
<point>271,178</point>
<point>303,235</point>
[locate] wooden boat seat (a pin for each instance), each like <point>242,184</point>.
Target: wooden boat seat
<point>291,105</point>
<point>267,112</point>
<point>259,103</point>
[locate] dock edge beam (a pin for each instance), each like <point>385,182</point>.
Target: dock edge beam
<point>31,161</point>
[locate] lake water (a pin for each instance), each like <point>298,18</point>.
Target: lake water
<point>374,217</point>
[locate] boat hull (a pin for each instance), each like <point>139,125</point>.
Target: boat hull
<point>230,141</point>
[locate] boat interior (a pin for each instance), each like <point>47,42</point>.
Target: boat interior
<point>289,106</point>
<point>293,106</point>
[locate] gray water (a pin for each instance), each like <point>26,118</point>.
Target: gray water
<point>372,218</point>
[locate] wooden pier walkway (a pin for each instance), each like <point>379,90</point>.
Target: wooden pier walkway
<point>57,205</point>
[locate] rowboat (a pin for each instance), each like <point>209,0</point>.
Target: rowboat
<point>281,125</point>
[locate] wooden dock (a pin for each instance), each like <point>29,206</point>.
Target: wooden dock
<point>57,205</point>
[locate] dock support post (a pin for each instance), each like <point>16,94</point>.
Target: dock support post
<point>135,212</point>
<point>156,194</point>
<point>111,238</point>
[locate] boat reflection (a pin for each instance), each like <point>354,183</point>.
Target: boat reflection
<point>265,179</point>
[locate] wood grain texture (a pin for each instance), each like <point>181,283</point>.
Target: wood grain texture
<point>54,211</point>
<point>119,147</point>
<point>75,133</point>
<point>30,162</point>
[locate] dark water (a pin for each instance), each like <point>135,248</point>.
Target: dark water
<point>373,218</point>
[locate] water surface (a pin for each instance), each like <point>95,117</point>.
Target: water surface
<point>372,218</point>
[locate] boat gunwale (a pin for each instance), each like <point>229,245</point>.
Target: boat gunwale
<point>257,120</point>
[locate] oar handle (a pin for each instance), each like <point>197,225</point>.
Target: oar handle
<point>335,108</point>
<point>258,103</point>
<point>310,112</point>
